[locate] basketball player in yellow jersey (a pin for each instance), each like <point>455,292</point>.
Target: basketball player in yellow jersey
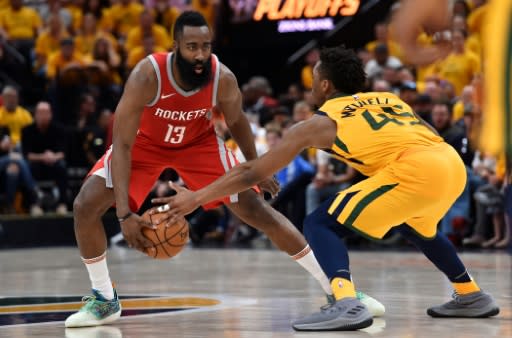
<point>433,15</point>
<point>414,177</point>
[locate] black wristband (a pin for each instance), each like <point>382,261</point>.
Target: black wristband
<point>125,217</point>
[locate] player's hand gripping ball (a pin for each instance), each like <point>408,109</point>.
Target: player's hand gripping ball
<point>168,239</point>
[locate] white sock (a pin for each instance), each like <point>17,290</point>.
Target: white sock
<point>98,274</point>
<point>306,258</point>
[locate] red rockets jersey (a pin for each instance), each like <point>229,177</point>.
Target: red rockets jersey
<point>177,118</point>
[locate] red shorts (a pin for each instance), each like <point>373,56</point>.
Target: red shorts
<point>198,165</point>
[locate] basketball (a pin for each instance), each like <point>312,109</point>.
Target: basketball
<point>167,241</point>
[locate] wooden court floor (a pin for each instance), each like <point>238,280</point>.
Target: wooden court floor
<point>237,294</point>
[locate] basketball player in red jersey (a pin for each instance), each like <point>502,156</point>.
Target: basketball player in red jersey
<point>164,120</point>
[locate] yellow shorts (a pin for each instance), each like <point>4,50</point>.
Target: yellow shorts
<point>418,189</point>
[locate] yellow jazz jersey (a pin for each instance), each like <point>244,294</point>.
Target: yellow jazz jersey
<point>496,135</point>
<point>373,129</point>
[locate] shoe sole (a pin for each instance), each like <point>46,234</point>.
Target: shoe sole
<point>112,318</point>
<point>492,312</point>
<point>347,327</point>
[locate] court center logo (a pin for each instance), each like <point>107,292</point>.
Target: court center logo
<point>31,310</point>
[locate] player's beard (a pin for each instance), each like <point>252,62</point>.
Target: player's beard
<point>188,74</point>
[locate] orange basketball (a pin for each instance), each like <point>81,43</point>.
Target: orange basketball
<point>167,241</point>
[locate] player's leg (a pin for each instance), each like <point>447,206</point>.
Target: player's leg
<point>371,208</point>
<point>469,300</point>
<point>91,203</point>
<point>325,228</point>
<point>446,183</point>
<point>94,199</point>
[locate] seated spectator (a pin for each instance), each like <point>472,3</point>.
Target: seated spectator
<point>382,38</point>
<point>68,78</point>
<point>434,90</point>
<point>165,14</point>
<point>138,53</point>
<point>473,40</point>
<point>461,65</point>
<point>13,116</point>
<point>294,94</point>
<point>423,107</point>
<point>489,201</point>
<point>75,9</point>
<point>391,76</point>
<point>306,74</point>
<point>145,28</point>
<point>122,16</point>
<point>14,171</point>
<point>381,59</point>
<point>65,64</point>
<point>54,8</point>
<point>465,101</point>
<point>100,10</point>
<point>44,145</point>
<point>408,92</point>
<point>102,73</point>
<point>209,9</point>
<point>301,111</point>
<point>49,42</point>
<point>258,99</point>
<point>19,25</point>
<point>89,33</point>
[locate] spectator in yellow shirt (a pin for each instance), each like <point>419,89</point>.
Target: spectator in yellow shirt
<point>147,27</point>
<point>382,37</point>
<point>19,22</point>
<point>123,16</point>
<point>48,42</point>
<point>65,60</point>
<point>103,64</point>
<point>89,33</point>
<point>460,66</point>
<point>54,7</point>
<point>165,15</point>
<point>138,53</point>
<point>473,40</point>
<point>4,4</point>
<point>208,9</point>
<point>465,101</point>
<point>12,115</point>
<point>307,71</point>
<point>76,14</point>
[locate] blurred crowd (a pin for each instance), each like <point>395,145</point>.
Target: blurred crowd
<point>67,61</point>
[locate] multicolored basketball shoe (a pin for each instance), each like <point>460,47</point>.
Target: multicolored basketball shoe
<point>96,311</point>
<point>375,307</point>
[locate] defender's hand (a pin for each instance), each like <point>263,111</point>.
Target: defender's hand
<point>132,232</point>
<point>179,205</point>
<point>270,185</point>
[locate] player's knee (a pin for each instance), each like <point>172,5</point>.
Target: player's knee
<point>84,206</point>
